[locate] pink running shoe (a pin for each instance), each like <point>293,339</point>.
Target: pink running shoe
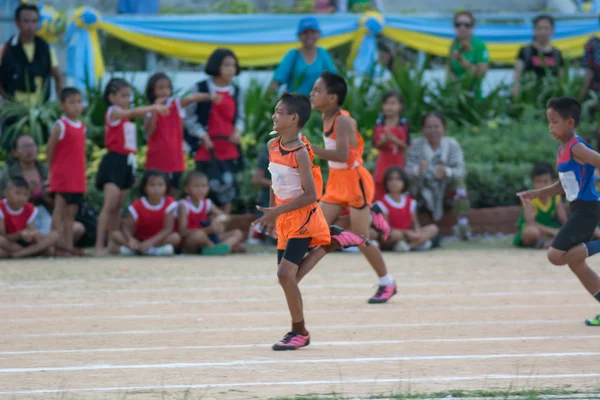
<point>380,224</point>
<point>346,239</point>
<point>292,341</point>
<point>383,294</point>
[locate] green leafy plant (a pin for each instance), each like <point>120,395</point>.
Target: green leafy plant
<point>233,7</point>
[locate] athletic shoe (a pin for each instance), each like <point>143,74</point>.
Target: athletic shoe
<point>166,250</point>
<point>125,251</point>
<point>346,238</point>
<point>379,223</point>
<point>383,294</point>
<point>219,249</point>
<point>401,247</point>
<point>425,246</point>
<point>593,321</point>
<point>292,341</point>
<point>463,231</point>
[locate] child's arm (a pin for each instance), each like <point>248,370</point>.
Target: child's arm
<point>127,228</point>
<point>162,235</point>
<point>415,222</point>
<point>55,136</point>
<point>182,219</point>
<point>198,97</point>
<point>530,220</point>
<point>585,155</point>
<point>218,221</point>
<point>379,140</point>
<point>150,124</point>
<point>118,113</point>
<point>344,128</point>
<point>555,189</point>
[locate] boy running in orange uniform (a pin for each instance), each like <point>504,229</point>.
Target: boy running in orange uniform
<point>295,217</point>
<point>350,185</point>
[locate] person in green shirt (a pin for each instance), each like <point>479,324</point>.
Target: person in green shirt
<point>468,55</point>
<point>542,217</point>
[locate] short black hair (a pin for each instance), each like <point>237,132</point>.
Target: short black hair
<point>566,107</point>
<point>18,182</point>
<point>152,82</point>
<point>25,7</point>
<point>213,64</point>
<point>146,177</point>
<point>436,114</point>
<point>113,86</point>
<point>297,104</point>
<point>543,17</point>
<point>395,170</point>
<point>335,84</point>
<point>542,168</point>
<point>192,175</point>
<point>393,93</point>
<point>68,92</point>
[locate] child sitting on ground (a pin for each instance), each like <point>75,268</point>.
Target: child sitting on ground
<point>18,234</point>
<point>202,224</point>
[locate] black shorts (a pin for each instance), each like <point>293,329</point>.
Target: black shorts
<point>221,193</point>
<point>114,168</point>
<point>72,198</point>
<point>580,226</point>
<point>174,179</point>
<point>295,250</point>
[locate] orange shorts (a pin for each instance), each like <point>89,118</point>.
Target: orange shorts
<point>305,222</point>
<point>349,188</point>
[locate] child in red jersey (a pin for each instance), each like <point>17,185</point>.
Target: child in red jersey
<point>18,235</point>
<point>201,223</point>
<point>148,229</point>
<point>66,157</point>
<point>401,212</point>
<point>165,132</point>
<point>116,174</point>
<point>390,137</point>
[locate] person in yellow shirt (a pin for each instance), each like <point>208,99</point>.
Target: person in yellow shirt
<point>27,62</point>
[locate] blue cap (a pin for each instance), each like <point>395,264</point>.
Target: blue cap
<point>308,23</point>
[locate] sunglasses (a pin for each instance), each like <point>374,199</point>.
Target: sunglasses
<point>465,24</point>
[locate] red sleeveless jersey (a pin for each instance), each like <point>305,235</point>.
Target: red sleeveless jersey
<point>165,146</point>
<point>149,219</point>
<point>17,220</point>
<point>197,215</point>
<point>67,171</point>
<point>399,213</point>
<point>120,136</point>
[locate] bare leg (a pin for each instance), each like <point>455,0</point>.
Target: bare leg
<point>360,221</point>
<point>173,239</point>
<point>78,232</point>
<point>46,242</point>
<point>193,243</point>
<point>428,232</point>
<point>530,235</point>
<point>232,238</point>
<point>111,206</point>
<point>59,216</point>
<point>119,239</point>
<point>286,273</point>
<point>575,258</point>
<point>69,221</point>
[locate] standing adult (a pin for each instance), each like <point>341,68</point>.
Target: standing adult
<point>591,64</point>
<point>468,55</point>
<point>539,57</point>
<point>300,68</point>
<point>27,62</point>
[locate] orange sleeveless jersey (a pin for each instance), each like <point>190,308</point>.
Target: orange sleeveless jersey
<point>350,184</point>
<point>305,222</point>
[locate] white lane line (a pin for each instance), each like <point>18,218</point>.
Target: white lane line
<point>440,295</point>
<point>317,344</point>
<point>311,311</point>
<point>306,383</point>
<point>270,328</point>
<point>243,363</point>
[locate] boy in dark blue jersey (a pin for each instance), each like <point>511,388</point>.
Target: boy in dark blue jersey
<point>576,162</point>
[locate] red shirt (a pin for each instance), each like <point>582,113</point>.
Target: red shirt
<point>197,215</point>
<point>120,136</point>
<point>389,154</point>
<point>67,172</point>
<point>220,127</point>
<point>16,221</point>
<point>149,219</point>
<point>165,146</point>
<point>399,214</point>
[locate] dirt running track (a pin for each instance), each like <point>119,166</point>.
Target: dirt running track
<point>158,328</point>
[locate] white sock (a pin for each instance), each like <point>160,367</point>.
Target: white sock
<point>151,251</point>
<point>463,221</point>
<point>386,280</point>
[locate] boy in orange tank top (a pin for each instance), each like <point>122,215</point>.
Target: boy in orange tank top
<point>350,185</point>
<point>295,217</point>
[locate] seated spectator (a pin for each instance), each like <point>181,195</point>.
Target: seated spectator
<point>400,209</point>
<point>436,167</point>
<point>214,129</point>
<point>149,227</point>
<point>322,6</point>
<point>25,165</point>
<point>202,224</point>
<point>18,234</point>
<point>261,179</point>
<point>359,5</point>
<point>541,218</point>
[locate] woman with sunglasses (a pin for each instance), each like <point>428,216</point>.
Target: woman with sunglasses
<point>468,55</point>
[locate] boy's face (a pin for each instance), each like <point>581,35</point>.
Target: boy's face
<point>17,196</point>
<point>542,181</point>
<point>319,98</point>
<point>281,119</point>
<point>28,23</point>
<point>560,128</point>
<point>198,188</point>
<point>73,106</point>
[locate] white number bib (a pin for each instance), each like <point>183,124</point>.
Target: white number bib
<point>569,184</point>
<point>130,132</point>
